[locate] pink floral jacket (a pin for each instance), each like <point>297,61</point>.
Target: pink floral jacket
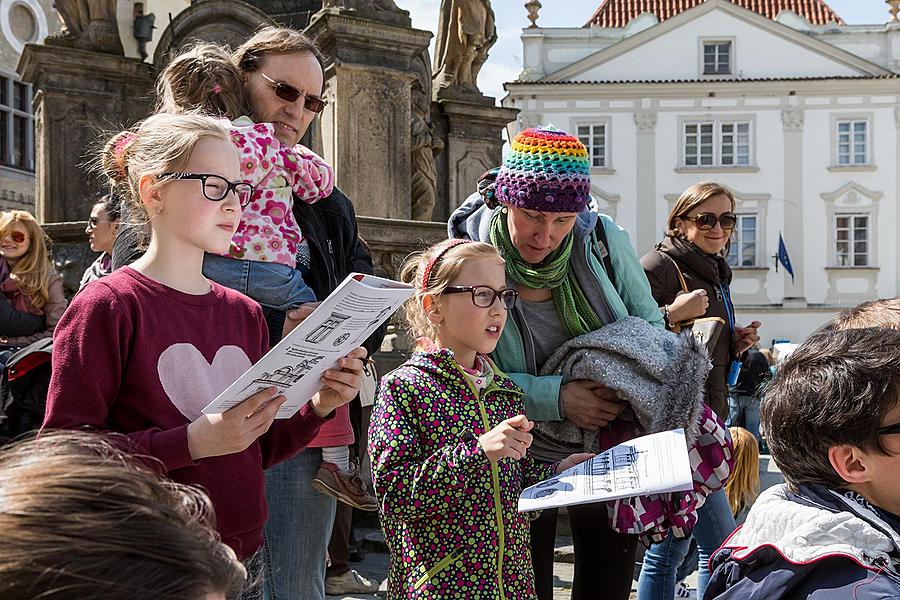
<point>268,231</point>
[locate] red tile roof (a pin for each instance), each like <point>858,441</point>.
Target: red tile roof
<point>617,13</point>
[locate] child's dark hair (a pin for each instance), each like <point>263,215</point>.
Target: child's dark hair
<point>202,78</point>
<point>443,263</point>
<point>81,519</point>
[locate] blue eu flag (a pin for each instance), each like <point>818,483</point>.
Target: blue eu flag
<point>783,257</point>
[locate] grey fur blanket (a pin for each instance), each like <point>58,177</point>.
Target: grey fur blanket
<point>660,374</point>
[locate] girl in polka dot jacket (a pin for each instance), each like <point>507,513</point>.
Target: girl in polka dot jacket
<point>449,438</point>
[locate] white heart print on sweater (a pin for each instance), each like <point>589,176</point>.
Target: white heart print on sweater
<point>191,382</point>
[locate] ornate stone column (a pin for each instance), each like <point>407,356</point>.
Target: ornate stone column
<point>366,125</point>
<point>473,143</point>
<point>792,121</point>
<point>79,97</point>
<point>645,181</point>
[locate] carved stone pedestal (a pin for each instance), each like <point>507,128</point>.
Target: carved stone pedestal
<point>366,126</point>
<point>80,97</point>
<point>472,133</point>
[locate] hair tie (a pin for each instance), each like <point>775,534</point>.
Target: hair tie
<point>217,89</point>
<point>426,274</point>
<point>119,151</point>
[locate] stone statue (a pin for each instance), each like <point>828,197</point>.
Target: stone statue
<point>424,146</point>
<point>385,11</point>
<point>465,34</point>
<point>88,25</point>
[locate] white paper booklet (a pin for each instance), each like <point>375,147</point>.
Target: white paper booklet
<point>652,464</point>
<point>343,321</point>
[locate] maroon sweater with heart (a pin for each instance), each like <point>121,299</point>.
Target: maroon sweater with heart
<point>133,356</point>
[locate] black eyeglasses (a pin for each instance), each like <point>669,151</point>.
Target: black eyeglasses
<point>706,221</point>
<point>889,429</point>
<point>483,296</point>
<point>216,187</point>
<point>289,93</point>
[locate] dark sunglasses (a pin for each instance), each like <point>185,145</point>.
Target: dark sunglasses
<point>216,187</point>
<point>289,93</point>
<point>706,221</point>
<point>484,296</point>
<point>889,429</point>
<point>93,222</point>
<point>16,236</point>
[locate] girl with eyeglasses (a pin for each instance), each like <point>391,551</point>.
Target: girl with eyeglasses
<point>449,438</point>
<point>151,344</point>
<point>261,261</point>
<point>27,276</point>
<point>690,278</point>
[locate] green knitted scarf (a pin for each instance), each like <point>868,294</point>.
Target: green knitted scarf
<point>554,273</point>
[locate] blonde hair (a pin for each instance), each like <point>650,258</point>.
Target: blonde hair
<point>448,262</point>
<point>161,143</point>
<point>874,313</point>
<point>202,78</point>
<point>743,485</point>
<point>32,272</point>
<point>693,197</point>
<point>81,519</point>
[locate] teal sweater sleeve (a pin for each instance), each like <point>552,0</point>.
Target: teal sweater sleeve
<point>631,281</point>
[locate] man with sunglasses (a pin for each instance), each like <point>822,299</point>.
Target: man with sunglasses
<point>832,531</point>
<point>284,81</point>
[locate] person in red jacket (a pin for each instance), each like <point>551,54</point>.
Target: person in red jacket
<point>143,350</point>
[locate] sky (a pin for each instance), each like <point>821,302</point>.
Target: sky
<point>505,58</point>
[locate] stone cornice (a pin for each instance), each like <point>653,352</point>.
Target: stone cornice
<point>704,89</point>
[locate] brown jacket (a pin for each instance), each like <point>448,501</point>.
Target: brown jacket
<point>701,271</point>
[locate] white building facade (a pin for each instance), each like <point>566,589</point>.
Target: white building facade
<point>800,121</point>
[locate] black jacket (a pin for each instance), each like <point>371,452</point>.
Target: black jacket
<point>336,250</point>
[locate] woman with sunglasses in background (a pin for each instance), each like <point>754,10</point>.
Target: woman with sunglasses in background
<point>27,277</point>
<point>690,278</point>
<point>101,229</point>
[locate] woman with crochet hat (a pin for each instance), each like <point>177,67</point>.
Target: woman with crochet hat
<point>575,271</point>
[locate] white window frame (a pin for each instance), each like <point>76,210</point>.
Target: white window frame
<point>849,140</point>
<point>606,124</point>
<point>702,44</point>
<point>718,128</point>
<point>867,146</point>
<point>737,241</point>
<point>8,112</point>
<point>851,240</point>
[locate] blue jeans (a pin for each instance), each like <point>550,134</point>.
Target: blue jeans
<point>661,561</point>
<point>743,411</point>
<point>273,285</point>
<point>298,529</point>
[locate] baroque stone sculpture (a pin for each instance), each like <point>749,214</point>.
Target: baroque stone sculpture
<point>465,34</point>
<point>385,11</point>
<point>88,25</point>
<point>424,145</point>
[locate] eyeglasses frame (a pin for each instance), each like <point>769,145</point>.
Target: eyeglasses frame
<point>202,177</point>
<point>459,289</point>
<point>276,85</point>
<point>718,221</point>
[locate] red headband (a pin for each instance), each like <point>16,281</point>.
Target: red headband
<point>434,259</point>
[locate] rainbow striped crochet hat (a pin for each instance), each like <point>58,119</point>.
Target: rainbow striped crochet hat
<point>547,170</point>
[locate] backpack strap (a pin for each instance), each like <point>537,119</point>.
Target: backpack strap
<point>602,246</point>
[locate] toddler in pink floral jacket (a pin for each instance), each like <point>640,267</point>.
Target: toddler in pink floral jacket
<point>261,262</point>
